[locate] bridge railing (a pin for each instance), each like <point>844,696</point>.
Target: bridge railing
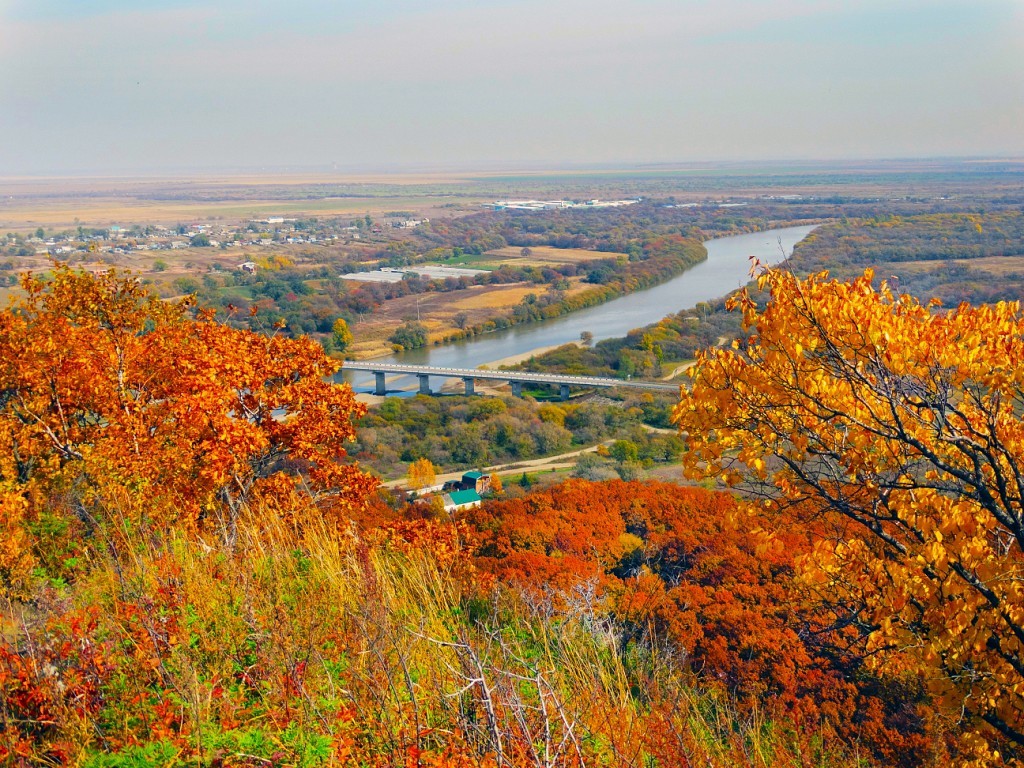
<point>517,378</point>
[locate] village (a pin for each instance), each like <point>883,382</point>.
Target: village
<point>255,232</point>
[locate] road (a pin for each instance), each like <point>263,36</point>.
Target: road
<point>548,462</point>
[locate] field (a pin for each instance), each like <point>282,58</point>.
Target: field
<point>1000,266</point>
<point>545,256</point>
<point>505,296</point>
<point>27,203</point>
<point>58,203</point>
<point>437,311</point>
<point>68,214</point>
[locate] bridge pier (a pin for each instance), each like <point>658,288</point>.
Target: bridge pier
<point>379,387</point>
<point>517,388</point>
<point>563,391</point>
<point>468,381</point>
<point>424,383</point>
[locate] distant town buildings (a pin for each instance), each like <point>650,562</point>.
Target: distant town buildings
<point>120,240</point>
<point>547,205</point>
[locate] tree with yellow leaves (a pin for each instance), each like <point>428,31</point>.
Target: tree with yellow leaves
<point>422,474</point>
<point>893,428</point>
<point>341,336</point>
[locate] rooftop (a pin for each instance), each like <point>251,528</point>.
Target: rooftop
<point>464,497</point>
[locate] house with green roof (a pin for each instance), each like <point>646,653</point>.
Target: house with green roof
<point>457,500</point>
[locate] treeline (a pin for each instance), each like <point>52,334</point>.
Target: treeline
<point>463,433</point>
<point>308,300</point>
<point>891,238</point>
<point>623,229</point>
<point>846,248</point>
<point>660,260</point>
<point>644,352</point>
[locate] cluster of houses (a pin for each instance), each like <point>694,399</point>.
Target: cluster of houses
<point>273,230</point>
<point>457,495</point>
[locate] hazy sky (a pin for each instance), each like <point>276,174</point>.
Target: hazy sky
<point>116,86</point>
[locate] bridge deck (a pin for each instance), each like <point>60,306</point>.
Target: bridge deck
<point>522,376</point>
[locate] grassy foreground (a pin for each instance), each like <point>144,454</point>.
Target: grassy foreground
<point>297,645</point>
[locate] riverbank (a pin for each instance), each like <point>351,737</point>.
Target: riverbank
<point>443,314</point>
<point>522,357</point>
<point>454,316</point>
<point>726,268</point>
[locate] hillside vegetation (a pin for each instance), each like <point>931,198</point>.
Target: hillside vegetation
<point>194,573</point>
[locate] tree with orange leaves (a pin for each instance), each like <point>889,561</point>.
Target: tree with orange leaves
<point>899,428</point>
<point>105,390</point>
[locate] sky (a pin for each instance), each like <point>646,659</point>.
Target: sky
<point>111,86</point>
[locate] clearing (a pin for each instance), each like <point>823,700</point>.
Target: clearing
<point>995,265</point>
<point>546,256</point>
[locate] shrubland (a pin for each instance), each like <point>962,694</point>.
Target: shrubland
<point>457,432</point>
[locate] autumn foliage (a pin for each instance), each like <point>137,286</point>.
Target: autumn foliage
<point>895,430</point>
<point>110,396</point>
<point>688,571</point>
<point>422,474</point>
<point>194,575</point>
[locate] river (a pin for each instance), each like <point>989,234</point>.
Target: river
<point>726,269</point>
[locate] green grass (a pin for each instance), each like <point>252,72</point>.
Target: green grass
<point>237,292</point>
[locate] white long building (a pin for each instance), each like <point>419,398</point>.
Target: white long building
<point>394,275</point>
<point>547,205</point>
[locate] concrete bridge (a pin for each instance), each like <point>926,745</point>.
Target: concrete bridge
<point>515,378</point>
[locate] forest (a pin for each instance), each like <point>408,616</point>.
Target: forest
<point>456,432</point>
<point>196,570</point>
<point>972,257</point>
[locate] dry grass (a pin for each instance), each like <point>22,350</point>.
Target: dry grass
<point>544,255</point>
<point>498,297</point>
<point>995,265</point>
<point>370,645</point>
<point>68,213</point>
<point>437,312</point>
